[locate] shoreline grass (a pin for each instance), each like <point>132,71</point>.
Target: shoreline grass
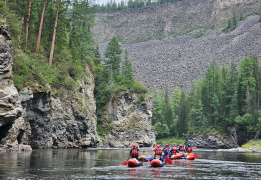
<point>252,144</point>
<point>171,141</point>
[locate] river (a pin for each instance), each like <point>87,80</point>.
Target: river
<point>106,164</point>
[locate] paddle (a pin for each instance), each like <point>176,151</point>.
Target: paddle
<point>196,156</point>
<point>125,162</point>
<point>168,160</point>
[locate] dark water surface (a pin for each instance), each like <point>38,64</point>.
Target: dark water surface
<point>106,164</point>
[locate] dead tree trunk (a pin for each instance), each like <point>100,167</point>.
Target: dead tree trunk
<point>40,30</point>
<point>21,29</point>
<point>54,33</point>
<point>27,24</point>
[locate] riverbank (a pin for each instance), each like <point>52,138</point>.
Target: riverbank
<point>250,146</point>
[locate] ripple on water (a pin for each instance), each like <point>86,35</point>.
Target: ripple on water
<point>106,164</point>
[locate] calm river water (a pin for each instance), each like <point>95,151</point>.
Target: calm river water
<point>106,164</point>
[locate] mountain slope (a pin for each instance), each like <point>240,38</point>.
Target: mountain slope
<point>180,60</point>
<point>171,19</point>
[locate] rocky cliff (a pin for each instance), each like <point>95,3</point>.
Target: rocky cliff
<point>60,122</point>
<point>132,120</point>
<point>213,141</point>
<point>40,119</point>
<point>11,120</point>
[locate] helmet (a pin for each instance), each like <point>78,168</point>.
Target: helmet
<point>180,145</point>
<point>134,145</point>
<point>158,146</point>
<point>189,150</point>
<point>167,144</point>
<point>188,145</point>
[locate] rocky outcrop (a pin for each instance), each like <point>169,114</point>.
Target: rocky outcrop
<point>238,135</point>
<point>39,119</point>
<point>132,121</point>
<point>11,120</point>
<point>60,122</point>
<point>214,141</point>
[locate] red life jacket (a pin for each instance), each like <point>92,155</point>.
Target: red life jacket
<point>174,150</point>
<point>134,152</point>
<point>181,149</point>
<point>166,149</point>
<point>189,150</point>
<point>158,152</point>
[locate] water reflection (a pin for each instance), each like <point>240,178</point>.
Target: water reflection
<point>11,162</point>
<point>106,164</point>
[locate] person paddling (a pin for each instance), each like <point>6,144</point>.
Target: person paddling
<point>188,150</point>
<point>182,149</point>
<point>173,151</point>
<point>158,152</point>
<point>134,152</point>
<point>166,150</point>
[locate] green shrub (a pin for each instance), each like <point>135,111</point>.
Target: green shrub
<point>137,87</point>
<point>199,34</point>
<point>172,141</point>
<point>2,3</point>
<point>141,98</point>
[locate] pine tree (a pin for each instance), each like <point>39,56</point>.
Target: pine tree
<point>113,52</point>
<point>248,80</point>
<point>157,110</point>
<point>27,23</point>
<point>127,69</point>
<point>167,111</point>
<point>54,34</point>
<point>40,29</point>
<point>182,115</point>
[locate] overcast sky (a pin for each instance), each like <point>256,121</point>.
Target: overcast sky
<point>105,1</point>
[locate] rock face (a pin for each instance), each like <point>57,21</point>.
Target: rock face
<point>132,121</point>
<point>60,122</point>
<point>40,120</point>
<point>214,141</point>
<point>11,121</point>
<point>238,136</point>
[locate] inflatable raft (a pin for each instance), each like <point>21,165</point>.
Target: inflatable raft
<point>156,163</point>
<point>182,156</point>
<point>134,163</point>
<point>173,157</point>
<point>191,157</point>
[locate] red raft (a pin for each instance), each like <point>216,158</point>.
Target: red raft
<point>175,157</point>
<point>178,156</point>
<point>156,163</point>
<point>134,163</point>
<point>191,157</point>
